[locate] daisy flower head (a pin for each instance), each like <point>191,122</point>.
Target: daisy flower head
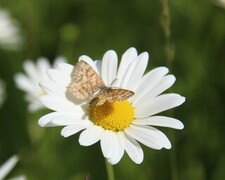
<point>114,105</point>
<point>29,82</point>
<point>2,92</point>
<point>10,37</point>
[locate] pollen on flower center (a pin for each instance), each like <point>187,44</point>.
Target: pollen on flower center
<point>114,116</point>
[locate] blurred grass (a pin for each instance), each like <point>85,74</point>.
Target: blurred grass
<point>73,28</point>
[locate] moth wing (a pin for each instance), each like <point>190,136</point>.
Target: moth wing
<point>100,98</point>
<point>98,101</point>
<point>85,81</point>
<point>111,95</point>
<point>119,94</point>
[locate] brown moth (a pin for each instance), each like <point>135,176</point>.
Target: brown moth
<point>86,82</point>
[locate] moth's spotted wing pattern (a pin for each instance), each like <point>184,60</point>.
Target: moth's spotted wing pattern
<point>111,95</point>
<point>85,81</point>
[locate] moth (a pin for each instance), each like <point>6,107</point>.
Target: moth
<point>86,82</point>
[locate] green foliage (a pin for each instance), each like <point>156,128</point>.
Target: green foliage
<point>75,27</point>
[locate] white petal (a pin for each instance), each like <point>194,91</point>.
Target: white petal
<point>107,142</point>
<point>132,148</point>
<point>65,119</point>
<point>148,82</point>
<point>158,104</point>
<point>89,61</point>
<point>42,67</point>
<point>31,70</point>
<point>59,104</point>
<point>31,97</point>
<point>8,166</point>
<point>65,68</point>
<point>117,156</point>
<point>24,83</point>
<point>45,121</point>
<point>58,60</point>
<point>98,64</point>
<point>127,59</point>
<point>165,83</point>
<point>135,71</point>
<point>59,77</point>
<point>118,151</point>
<point>90,136</point>
<point>162,138</point>
<point>35,105</point>
<point>159,71</point>
<point>144,136</point>
<point>109,67</point>
<point>75,120</point>
<point>160,121</point>
<point>52,88</point>
<point>71,130</point>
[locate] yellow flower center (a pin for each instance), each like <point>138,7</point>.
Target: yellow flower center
<point>114,116</point>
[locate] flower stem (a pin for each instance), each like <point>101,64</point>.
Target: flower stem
<point>109,169</point>
<point>169,53</point>
<point>165,22</point>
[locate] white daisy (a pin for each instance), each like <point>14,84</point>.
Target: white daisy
<point>29,82</point>
<point>119,125</point>
<point>2,92</point>
<point>10,37</point>
<point>7,167</point>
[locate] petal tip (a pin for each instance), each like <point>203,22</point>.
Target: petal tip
<point>181,126</point>
<point>84,58</point>
<point>63,133</point>
<point>41,123</point>
<point>183,99</point>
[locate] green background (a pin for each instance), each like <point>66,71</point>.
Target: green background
<point>75,27</point>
